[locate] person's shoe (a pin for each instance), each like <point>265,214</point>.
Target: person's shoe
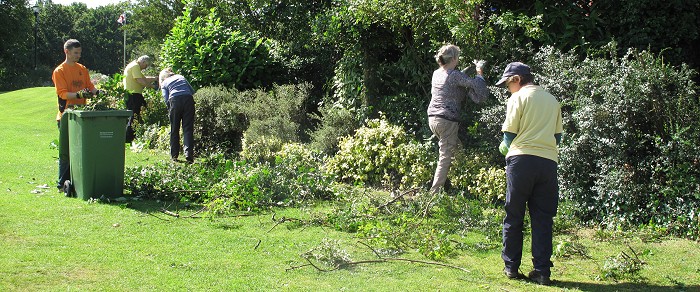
<point>174,159</point>
<point>513,275</point>
<point>67,189</point>
<point>538,278</point>
<point>190,160</point>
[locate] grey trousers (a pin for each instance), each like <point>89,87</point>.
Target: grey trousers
<point>446,131</point>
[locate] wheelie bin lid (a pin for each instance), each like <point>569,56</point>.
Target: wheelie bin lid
<point>106,113</point>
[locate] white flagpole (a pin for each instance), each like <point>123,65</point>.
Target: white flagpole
<point>124,39</point>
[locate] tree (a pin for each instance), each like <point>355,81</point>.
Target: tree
<point>16,50</point>
<point>101,38</point>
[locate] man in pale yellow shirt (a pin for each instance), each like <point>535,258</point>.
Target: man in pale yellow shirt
<point>134,83</point>
<point>532,131</point>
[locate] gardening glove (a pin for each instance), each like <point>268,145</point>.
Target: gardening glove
<point>85,93</point>
<point>479,65</point>
<point>100,92</point>
<point>503,148</point>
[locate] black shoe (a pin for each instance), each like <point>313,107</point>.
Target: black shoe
<point>174,159</point>
<point>67,189</point>
<point>513,275</point>
<point>190,160</point>
<point>538,278</point>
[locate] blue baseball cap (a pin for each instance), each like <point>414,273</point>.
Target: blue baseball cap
<point>512,69</point>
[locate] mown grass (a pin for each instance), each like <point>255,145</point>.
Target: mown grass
<point>49,242</point>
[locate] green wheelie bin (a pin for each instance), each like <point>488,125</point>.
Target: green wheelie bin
<point>96,149</point>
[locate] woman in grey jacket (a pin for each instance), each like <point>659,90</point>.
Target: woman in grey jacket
<point>450,87</point>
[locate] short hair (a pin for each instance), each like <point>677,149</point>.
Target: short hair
<point>446,54</point>
<point>144,59</point>
<point>71,44</point>
<point>164,74</point>
<point>524,79</point>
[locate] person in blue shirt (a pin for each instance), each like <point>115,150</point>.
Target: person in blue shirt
<point>177,93</point>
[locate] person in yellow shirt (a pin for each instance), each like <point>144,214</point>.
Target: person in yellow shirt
<point>134,83</point>
<point>73,87</point>
<point>531,131</point>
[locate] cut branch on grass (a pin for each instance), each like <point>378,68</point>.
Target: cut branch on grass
<point>400,196</point>
<point>157,217</point>
<point>170,213</point>
<point>257,244</point>
<point>282,220</point>
<point>379,260</point>
<point>185,191</point>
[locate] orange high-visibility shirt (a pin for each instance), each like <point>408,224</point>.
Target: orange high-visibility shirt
<point>70,78</point>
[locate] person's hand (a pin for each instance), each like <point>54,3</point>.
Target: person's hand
<point>85,93</point>
<point>100,92</point>
<point>479,65</point>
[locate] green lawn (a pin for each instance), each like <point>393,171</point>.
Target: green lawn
<point>49,242</point>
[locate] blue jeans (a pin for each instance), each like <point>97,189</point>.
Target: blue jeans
<point>532,182</point>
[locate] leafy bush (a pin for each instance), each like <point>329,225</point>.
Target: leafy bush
<point>261,186</point>
<point>219,119</point>
<point>263,149</point>
<point>155,111</point>
<point>290,176</point>
<point>276,113</point>
<point>631,125</point>
<point>622,266</point>
<point>335,122</point>
<point>169,180</point>
<point>382,154</point>
<point>489,185</point>
<point>153,137</point>
<point>328,253</point>
<point>208,53</point>
<point>223,116</point>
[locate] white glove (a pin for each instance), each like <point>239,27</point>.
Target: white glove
<point>479,64</point>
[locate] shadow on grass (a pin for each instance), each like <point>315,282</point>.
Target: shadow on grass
<point>174,210</point>
<point>621,286</point>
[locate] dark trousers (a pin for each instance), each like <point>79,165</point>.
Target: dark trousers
<point>134,103</point>
<point>532,182</point>
<point>63,153</point>
<point>181,110</point>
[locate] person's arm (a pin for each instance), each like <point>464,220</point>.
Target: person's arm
<point>511,124</point>
<point>166,94</point>
<point>508,138</point>
<point>146,81</point>
<point>477,88</point>
<point>190,87</point>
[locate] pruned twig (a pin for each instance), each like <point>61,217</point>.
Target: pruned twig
<point>296,267</point>
<point>379,260</point>
<point>157,217</point>
<point>170,213</point>
<point>257,244</point>
<point>410,260</point>
<point>282,220</point>
<point>186,191</point>
<point>397,198</point>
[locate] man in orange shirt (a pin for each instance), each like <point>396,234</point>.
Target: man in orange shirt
<point>73,86</point>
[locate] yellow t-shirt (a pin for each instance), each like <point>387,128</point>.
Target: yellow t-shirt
<point>131,73</point>
<point>534,115</point>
